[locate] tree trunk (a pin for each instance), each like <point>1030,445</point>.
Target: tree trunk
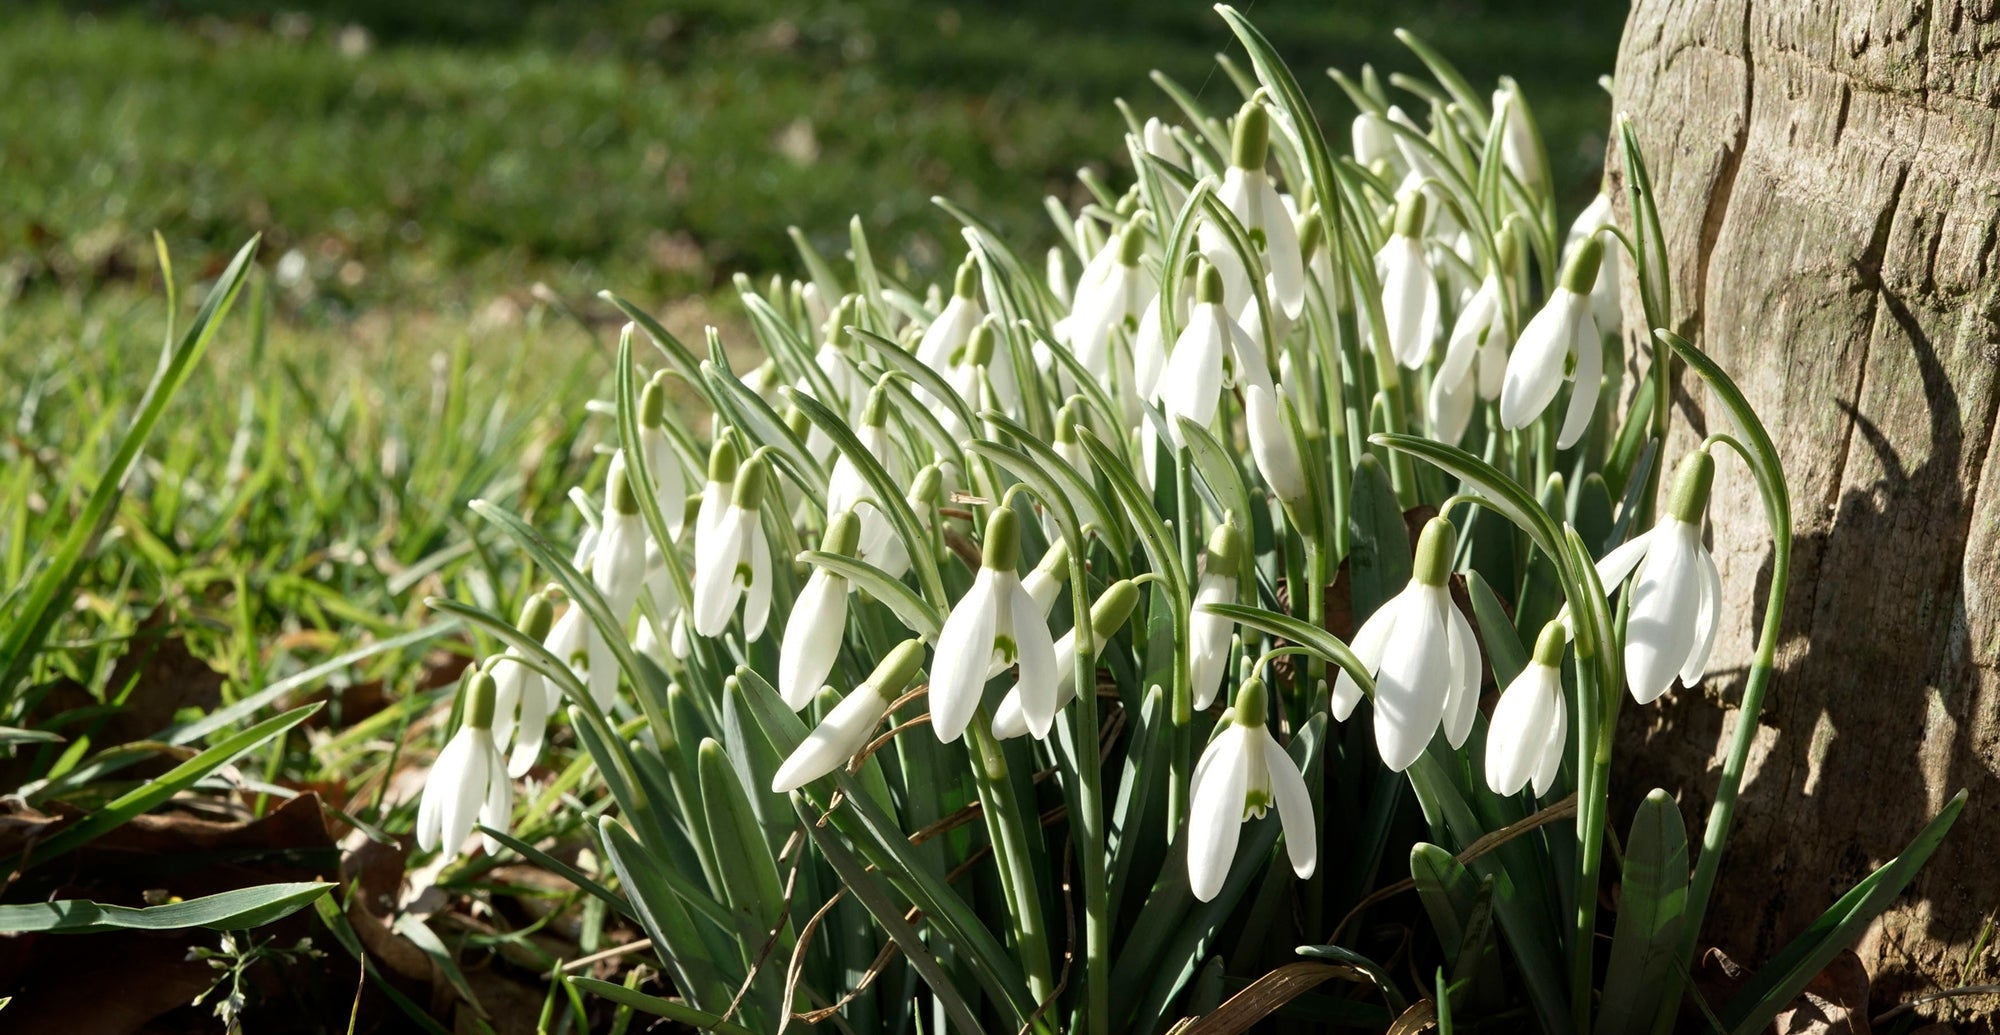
<point>1829,178</point>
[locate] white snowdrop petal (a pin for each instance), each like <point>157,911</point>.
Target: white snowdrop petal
<point>1215,813</point>
<point>468,792</point>
<point>1462,699</point>
<point>716,587</point>
<point>757,595</point>
<point>838,738</point>
<point>1520,728</point>
<point>1295,808</point>
<point>1589,352</point>
<point>1208,638</point>
<point>1552,750</point>
<point>1665,597</point>
<point>1367,647</point>
<point>1281,240</point>
<point>1535,368</point>
<point>1707,617</point>
<point>813,633</point>
<point>1410,686</point>
<point>533,726</point>
<point>964,649</point>
<point>497,812</point>
<point>1037,654</point>
<point>1612,569</point>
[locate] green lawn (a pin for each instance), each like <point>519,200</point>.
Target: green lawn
<point>429,153</point>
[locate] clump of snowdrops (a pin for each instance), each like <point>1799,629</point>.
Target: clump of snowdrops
<point>1081,631</point>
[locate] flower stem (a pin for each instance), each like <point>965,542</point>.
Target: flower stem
<point>1006,827</point>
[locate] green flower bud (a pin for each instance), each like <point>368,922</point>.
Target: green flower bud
<point>843,534</point>
<point>1225,549</point>
<point>897,669</point>
<point>479,691</point>
<point>1002,550</point>
<point>1579,274</point>
<point>1251,142</point>
<point>1435,546</point>
<point>653,403</point>
<point>1692,482</point>
<point>724,457</point>
<point>967,283</point>
<point>752,479</point>
<point>1112,608</point>
<point>537,616</point>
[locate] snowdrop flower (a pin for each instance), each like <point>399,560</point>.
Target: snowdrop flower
<point>1271,444</point>
<point>947,335</point>
<point>1478,336</point>
<point>724,457</point>
<point>618,564</point>
<point>662,465</point>
<point>1210,347</point>
<point>1531,723</point>
<point>1374,141</point>
<point>1243,772</point>
<point>1604,293</point>
<point>1676,590</point>
<point>1249,195</point>
<point>848,490</point>
<point>1149,346</point>
<point>1209,634</point>
<point>575,642</point>
<point>1160,143</point>
<point>521,696</point>
<point>1114,301</point>
<point>468,782</point>
<point>982,363</point>
<point>818,622</point>
<point>848,726</point>
<point>734,562</point>
<point>1415,159</point>
<point>1409,290</point>
<point>1520,149</point>
<point>1423,656</point>
<point>1107,614</point>
<point>1561,333</point>
<point>996,617</point>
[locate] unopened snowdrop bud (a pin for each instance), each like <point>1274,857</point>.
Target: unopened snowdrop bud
<point>1676,589</point>
<point>1066,444</point>
<point>1271,444</point>
<point>1423,656</point>
<point>848,727</point>
<point>618,565</point>
<point>1111,303</point>
<point>1561,334</point>
<point>1050,575</point>
<point>1409,290</point>
<point>662,464</point>
<point>847,489</point>
<point>1531,722</point>
<point>1209,634</point>
<point>1107,614</point>
<point>1250,196</point>
<point>468,782</point>
<point>818,621</point>
<point>1241,775</point>
<point>738,568</point>
<point>521,696</point>
<point>1160,143</point>
<point>948,333</point>
<point>995,617</point>
<point>1479,332</point>
<point>1373,140</point>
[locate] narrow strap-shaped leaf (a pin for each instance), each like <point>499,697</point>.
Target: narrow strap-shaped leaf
<point>671,1009</point>
<point>237,910</point>
<point>1285,627</point>
<point>1652,903</point>
<point>913,610</point>
<point>889,497</point>
<point>666,921</point>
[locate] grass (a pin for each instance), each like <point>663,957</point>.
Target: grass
<point>422,154</point>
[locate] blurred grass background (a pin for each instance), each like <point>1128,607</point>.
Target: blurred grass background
<point>435,155</point>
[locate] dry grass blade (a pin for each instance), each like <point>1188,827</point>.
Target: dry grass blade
<point>1264,996</point>
<point>1422,1016</point>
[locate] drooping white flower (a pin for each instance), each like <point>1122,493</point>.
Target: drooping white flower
<point>1107,613</point>
<point>1111,303</point>
<point>1243,772</point>
<point>1531,723</point>
<point>1249,195</point>
<point>734,563</point>
<point>1211,353</point>
<point>818,622</point>
<point>1160,143</point>
<point>996,617</point>
<point>1423,656</point>
<point>574,640</point>
<point>1604,293</point>
<point>1271,444</point>
<point>1561,334</point>
<point>848,490</point>
<point>1415,158</point>
<point>618,565</point>
<point>1520,148</point>
<point>724,457</point>
<point>1374,141</point>
<point>1149,346</point>
<point>849,725</point>
<point>1209,634</point>
<point>1676,589</point>
<point>1479,336</point>
<point>521,696</point>
<point>1409,289</point>
<point>984,364</point>
<point>468,783</point>
<point>946,336</point>
<point>663,465</point>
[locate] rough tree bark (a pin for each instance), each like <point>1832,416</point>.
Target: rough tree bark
<point>1829,173</point>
